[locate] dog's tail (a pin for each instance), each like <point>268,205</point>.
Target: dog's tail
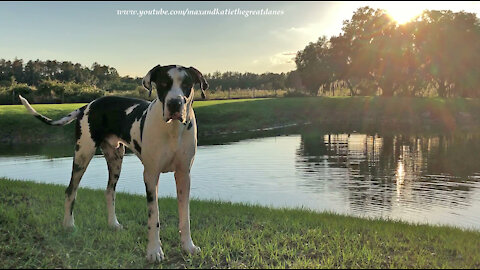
<point>61,122</point>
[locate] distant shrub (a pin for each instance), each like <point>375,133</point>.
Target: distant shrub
<point>5,83</point>
<point>82,93</point>
<point>50,90</point>
<point>139,93</point>
<point>120,85</point>
<point>5,96</point>
<point>295,93</point>
<point>21,89</point>
<point>9,95</point>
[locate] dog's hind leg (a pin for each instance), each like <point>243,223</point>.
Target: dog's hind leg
<point>83,155</point>
<point>84,151</point>
<point>114,157</point>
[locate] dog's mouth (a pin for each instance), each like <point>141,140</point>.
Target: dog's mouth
<point>176,116</point>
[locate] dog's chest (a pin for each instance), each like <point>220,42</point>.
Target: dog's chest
<point>164,148</point>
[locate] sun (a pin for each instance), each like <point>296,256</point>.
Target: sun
<point>403,14</point>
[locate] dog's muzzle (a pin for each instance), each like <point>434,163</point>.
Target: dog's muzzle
<point>174,107</point>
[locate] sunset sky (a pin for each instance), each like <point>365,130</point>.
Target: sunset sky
<point>90,32</point>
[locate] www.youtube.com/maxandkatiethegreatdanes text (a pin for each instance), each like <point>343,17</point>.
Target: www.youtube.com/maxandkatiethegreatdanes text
<point>199,12</point>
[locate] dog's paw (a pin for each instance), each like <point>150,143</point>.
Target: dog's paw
<point>155,254</point>
<point>116,226</point>
<point>68,223</point>
<point>191,249</point>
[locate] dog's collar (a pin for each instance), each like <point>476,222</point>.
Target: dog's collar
<point>188,124</point>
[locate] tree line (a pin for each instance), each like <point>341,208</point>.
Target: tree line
<point>34,73</point>
<point>437,53</point>
<point>63,81</point>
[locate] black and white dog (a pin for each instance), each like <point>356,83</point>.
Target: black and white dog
<point>162,133</point>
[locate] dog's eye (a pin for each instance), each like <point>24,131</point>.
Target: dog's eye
<point>163,84</point>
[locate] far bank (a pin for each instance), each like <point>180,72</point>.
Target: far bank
<point>216,118</point>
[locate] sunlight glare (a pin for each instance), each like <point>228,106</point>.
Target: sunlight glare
<point>403,14</point>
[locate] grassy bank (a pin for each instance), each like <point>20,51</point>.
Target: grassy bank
<point>215,117</point>
<point>230,235</point>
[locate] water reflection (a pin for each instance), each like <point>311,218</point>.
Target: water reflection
<point>392,173</point>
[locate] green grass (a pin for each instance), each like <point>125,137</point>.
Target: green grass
<point>366,114</point>
<point>17,125</point>
<point>230,235</point>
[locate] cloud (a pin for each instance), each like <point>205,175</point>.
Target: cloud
<point>302,30</point>
<point>304,33</point>
<point>279,62</point>
<point>283,58</point>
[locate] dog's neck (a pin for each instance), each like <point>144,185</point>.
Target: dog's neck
<point>173,128</point>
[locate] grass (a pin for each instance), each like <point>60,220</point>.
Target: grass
<point>17,125</point>
<point>212,95</point>
<point>216,117</point>
<point>243,93</point>
<point>230,235</point>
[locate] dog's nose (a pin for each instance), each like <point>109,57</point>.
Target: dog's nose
<point>174,105</point>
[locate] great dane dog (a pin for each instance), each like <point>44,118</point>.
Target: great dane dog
<point>162,133</point>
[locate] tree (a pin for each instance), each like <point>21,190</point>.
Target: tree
<point>314,67</point>
<point>5,70</point>
<point>33,72</point>
<point>17,70</point>
<point>448,44</point>
<point>293,80</point>
<point>372,49</point>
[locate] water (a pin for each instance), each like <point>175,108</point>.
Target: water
<point>415,178</point>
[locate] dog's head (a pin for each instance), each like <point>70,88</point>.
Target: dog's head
<point>174,86</point>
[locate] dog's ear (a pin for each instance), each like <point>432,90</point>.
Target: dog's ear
<point>198,78</point>
<point>147,80</point>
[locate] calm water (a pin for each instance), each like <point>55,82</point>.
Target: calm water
<point>424,179</point>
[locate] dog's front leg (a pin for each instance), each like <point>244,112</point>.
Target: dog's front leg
<point>154,248</point>
<point>182,180</point>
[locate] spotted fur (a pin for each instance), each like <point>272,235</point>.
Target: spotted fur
<point>163,136</point>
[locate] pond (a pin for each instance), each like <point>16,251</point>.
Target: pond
<point>432,179</point>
